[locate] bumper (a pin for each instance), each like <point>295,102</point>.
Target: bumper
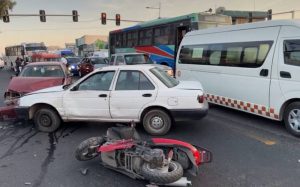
<point>14,113</point>
<point>189,114</point>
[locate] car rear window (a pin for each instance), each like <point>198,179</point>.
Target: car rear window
<point>169,81</point>
<point>42,71</point>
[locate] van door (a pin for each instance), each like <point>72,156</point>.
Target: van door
<point>289,67</point>
<point>246,76</point>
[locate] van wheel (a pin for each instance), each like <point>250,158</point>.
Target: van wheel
<point>157,122</point>
<point>292,118</point>
<point>46,120</point>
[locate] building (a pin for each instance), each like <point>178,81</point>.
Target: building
<point>239,17</point>
<point>87,44</point>
<point>72,47</point>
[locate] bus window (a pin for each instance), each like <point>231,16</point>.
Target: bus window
<point>145,37</point>
<point>132,38</point>
<point>161,35</point>
<point>124,43</point>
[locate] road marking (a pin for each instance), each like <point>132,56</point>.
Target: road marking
<point>263,140</point>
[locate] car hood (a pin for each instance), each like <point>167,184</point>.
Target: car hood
<point>189,85</point>
<point>31,84</point>
<point>49,90</point>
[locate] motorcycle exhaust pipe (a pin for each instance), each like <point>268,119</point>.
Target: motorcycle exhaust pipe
<point>181,182</point>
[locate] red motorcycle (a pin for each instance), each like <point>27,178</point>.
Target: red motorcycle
<point>158,160</point>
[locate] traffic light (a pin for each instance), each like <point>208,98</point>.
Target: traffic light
<point>42,16</point>
<point>118,19</point>
<point>269,14</point>
<point>103,18</point>
<point>6,17</point>
<point>75,15</point>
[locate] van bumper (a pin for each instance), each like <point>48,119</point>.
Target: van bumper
<point>189,114</point>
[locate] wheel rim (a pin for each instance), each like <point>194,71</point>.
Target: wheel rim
<point>166,169</point>
<point>88,154</point>
<point>156,122</point>
<point>294,119</point>
<point>45,120</point>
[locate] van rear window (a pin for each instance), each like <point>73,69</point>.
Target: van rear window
<point>242,54</point>
<point>292,52</point>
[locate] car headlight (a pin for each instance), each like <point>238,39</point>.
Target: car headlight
<point>73,67</point>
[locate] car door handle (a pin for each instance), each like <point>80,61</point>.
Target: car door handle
<point>103,95</point>
<point>285,74</point>
<point>264,73</point>
<point>147,95</point>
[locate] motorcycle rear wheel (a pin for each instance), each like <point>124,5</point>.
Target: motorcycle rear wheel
<point>85,150</point>
<point>175,172</point>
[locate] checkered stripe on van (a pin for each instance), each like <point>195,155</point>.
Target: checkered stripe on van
<point>241,105</point>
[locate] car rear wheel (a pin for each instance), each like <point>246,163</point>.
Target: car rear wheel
<point>157,122</point>
<point>292,118</point>
<point>46,120</point>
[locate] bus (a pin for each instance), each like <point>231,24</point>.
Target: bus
<point>160,38</point>
<point>23,50</point>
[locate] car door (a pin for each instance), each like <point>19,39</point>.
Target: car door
<point>133,90</point>
<point>90,98</point>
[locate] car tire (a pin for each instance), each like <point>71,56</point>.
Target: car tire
<point>292,118</point>
<point>157,122</point>
<point>46,120</point>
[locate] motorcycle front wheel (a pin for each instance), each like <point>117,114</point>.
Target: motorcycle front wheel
<point>87,149</point>
<point>158,176</point>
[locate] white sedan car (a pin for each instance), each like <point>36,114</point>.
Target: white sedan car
<point>140,93</point>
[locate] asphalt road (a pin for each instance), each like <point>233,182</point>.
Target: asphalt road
<point>248,151</point>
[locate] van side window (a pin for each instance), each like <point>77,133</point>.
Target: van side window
<point>292,52</point>
<point>241,54</point>
<point>194,55</point>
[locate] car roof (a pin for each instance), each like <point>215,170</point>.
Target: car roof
<point>129,54</point>
<point>127,67</point>
<point>44,63</point>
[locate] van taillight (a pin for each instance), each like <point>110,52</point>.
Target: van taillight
<point>201,98</point>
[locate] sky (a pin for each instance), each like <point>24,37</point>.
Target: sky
<point>61,30</point>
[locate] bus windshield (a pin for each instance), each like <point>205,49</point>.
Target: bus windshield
<point>138,59</point>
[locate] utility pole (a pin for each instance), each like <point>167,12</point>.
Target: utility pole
<point>157,8</point>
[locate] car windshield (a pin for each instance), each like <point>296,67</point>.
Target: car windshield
<point>138,59</point>
<point>42,71</point>
<point>73,60</point>
<point>169,81</point>
<point>98,61</point>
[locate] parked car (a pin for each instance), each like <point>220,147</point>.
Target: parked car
<point>36,76</point>
<point>141,93</point>
<point>1,63</point>
<point>72,64</point>
<point>135,59</point>
<point>89,64</point>
<point>249,67</point>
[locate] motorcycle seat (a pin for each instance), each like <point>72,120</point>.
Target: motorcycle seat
<point>119,133</point>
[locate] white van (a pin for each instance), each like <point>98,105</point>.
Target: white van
<point>250,67</point>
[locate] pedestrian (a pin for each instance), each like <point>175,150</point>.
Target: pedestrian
<point>18,65</point>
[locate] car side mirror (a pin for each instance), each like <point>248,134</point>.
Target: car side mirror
<point>75,88</point>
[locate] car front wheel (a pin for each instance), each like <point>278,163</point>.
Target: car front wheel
<point>292,118</point>
<point>46,120</point>
<point>157,122</point>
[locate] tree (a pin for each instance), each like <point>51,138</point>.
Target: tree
<point>6,5</point>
